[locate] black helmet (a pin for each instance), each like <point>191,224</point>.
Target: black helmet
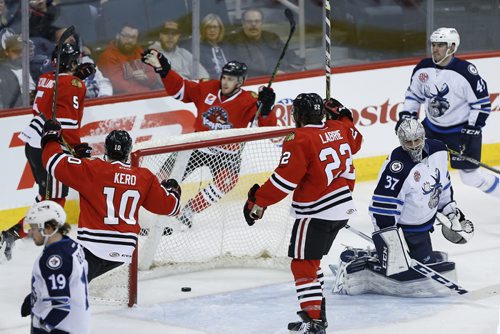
<point>118,145</point>
<point>235,68</point>
<point>70,55</point>
<point>308,108</point>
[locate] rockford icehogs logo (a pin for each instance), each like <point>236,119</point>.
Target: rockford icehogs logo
<point>433,189</point>
<point>216,118</point>
<point>438,104</point>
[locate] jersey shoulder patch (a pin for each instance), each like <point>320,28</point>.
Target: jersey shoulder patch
<point>54,262</point>
<point>290,137</point>
<point>77,83</point>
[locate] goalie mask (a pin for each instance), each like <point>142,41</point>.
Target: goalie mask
<point>307,109</point>
<point>118,145</point>
<point>69,58</point>
<point>449,36</point>
<point>411,134</point>
<point>43,212</point>
<point>236,69</point>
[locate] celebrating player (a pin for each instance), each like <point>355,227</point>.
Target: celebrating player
<point>69,108</point>
<point>58,301</point>
<point>413,185</point>
<point>457,106</point>
<point>316,165</point>
<point>111,194</point>
<point>221,104</point>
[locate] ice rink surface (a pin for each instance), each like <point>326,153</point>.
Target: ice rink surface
<point>263,301</point>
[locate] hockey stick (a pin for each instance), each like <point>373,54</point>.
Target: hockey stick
<point>328,48</point>
<point>473,161</point>
<point>67,33</point>
<point>421,268</point>
<point>291,20</point>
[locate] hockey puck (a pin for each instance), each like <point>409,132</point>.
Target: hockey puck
<point>185,289</point>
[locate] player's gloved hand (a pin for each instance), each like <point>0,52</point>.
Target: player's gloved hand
<point>82,150</point>
<point>157,60</point>
<point>468,136</point>
<point>26,306</point>
<point>173,187</point>
<point>252,211</point>
<point>84,71</point>
<point>266,98</point>
<point>335,110</point>
<point>402,116</point>
<point>456,228</point>
<point>51,132</point>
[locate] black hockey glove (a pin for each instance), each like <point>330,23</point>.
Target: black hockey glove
<point>26,306</point>
<point>266,98</point>
<point>335,110</point>
<point>402,116</point>
<point>83,71</point>
<point>82,150</point>
<point>252,211</point>
<point>173,187</point>
<point>51,132</point>
<point>157,60</point>
<point>469,137</point>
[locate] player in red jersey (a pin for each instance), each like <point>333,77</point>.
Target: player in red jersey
<point>221,104</point>
<point>69,107</point>
<point>316,165</point>
<point>111,194</point>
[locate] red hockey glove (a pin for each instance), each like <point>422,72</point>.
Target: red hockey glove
<point>83,71</point>
<point>51,132</point>
<point>335,110</point>
<point>82,150</point>
<point>252,211</point>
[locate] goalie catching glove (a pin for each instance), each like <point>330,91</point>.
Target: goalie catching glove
<point>335,110</point>
<point>252,211</point>
<point>157,60</point>
<point>454,226</point>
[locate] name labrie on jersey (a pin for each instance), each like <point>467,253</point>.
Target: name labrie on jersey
<point>453,95</point>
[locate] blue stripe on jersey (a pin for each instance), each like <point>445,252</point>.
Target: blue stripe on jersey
<point>384,211</point>
<point>416,98</point>
<point>447,186</point>
<point>439,129</point>
<point>387,200</point>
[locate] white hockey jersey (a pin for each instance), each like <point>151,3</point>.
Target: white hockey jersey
<point>59,295</point>
<point>454,95</point>
<point>409,194</point>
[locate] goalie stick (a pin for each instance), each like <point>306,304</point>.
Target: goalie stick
<point>67,33</point>
<point>291,20</point>
<point>421,268</point>
<point>473,161</point>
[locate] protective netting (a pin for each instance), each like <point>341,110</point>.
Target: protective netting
<point>211,231</point>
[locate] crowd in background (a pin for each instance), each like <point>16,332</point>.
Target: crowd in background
<point>113,33</point>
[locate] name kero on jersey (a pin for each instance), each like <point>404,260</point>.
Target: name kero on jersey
<point>330,136</point>
<point>122,178</point>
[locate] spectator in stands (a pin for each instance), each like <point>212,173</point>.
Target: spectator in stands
<point>180,59</point>
<point>8,15</point>
<point>11,74</point>
<point>97,84</point>
<point>121,63</point>
<point>260,49</point>
<point>214,53</point>
<point>42,16</point>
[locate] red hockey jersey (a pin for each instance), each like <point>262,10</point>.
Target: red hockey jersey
<point>316,164</point>
<point>111,194</point>
<point>214,113</point>
<point>69,108</point>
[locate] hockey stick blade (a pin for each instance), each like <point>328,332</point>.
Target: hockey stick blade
<point>420,268</point>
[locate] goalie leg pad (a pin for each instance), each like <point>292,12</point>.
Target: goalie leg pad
<point>392,250</point>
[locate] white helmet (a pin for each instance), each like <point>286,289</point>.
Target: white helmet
<point>45,211</point>
<point>446,35</point>
<point>411,134</point>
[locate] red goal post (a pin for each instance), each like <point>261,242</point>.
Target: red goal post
<point>219,235</point>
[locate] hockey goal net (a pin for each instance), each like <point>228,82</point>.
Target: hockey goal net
<point>215,169</point>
